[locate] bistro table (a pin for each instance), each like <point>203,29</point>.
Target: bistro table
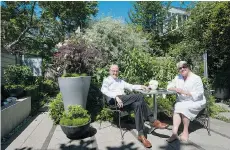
<point>154,93</point>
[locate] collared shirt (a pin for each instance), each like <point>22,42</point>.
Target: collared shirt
<point>112,87</point>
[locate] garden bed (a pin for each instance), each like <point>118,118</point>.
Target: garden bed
<point>14,114</point>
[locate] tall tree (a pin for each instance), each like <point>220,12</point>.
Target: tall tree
<point>71,14</point>
<point>24,30</point>
<point>18,18</point>
<point>208,30</point>
<point>149,16</point>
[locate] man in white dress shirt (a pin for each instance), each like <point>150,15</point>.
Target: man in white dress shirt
<point>113,88</point>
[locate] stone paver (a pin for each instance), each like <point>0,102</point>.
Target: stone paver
<point>108,138</point>
<point>21,139</point>
<point>38,137</point>
<point>213,142</point>
<point>220,127</point>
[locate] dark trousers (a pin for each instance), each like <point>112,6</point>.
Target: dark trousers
<point>142,111</point>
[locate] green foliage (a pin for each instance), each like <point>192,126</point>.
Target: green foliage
<point>113,39</point>
<point>74,56</point>
<point>73,75</point>
<point>94,101</point>
<point>166,104</point>
<point>74,122</point>
<point>207,30</point>
<point>149,15</point>
<point>75,116</point>
<point>9,87</point>
<point>17,75</point>
<point>56,109</point>
<point>99,75</point>
<point>17,18</point>
<point>72,14</point>
<point>24,30</point>
<point>50,87</point>
<point>105,115</point>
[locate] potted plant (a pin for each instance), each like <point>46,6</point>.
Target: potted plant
<point>72,61</point>
<point>75,121</point>
<point>74,89</point>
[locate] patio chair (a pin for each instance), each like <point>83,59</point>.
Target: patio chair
<point>116,109</point>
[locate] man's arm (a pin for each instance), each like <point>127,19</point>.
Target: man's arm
<point>132,87</point>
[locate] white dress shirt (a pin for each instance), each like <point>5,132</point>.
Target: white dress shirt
<point>112,87</point>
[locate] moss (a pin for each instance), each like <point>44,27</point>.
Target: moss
<point>74,122</point>
<point>73,75</point>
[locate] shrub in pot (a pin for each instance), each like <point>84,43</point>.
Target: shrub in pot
<point>56,109</point>
<point>75,121</point>
<point>74,57</point>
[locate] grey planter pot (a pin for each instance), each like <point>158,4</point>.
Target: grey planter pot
<point>73,132</point>
<point>74,90</point>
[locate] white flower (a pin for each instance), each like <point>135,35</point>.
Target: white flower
<point>153,84</point>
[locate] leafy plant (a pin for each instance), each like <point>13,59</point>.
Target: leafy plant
<point>74,56</point>
<point>56,109</point>
<point>75,116</point>
<point>17,75</point>
<point>73,75</point>
<point>105,115</point>
<point>50,87</point>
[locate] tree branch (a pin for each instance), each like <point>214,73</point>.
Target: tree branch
<point>9,46</point>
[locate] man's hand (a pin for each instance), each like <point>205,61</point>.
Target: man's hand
<point>119,102</point>
<point>144,87</point>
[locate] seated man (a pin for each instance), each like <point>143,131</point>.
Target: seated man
<point>114,88</point>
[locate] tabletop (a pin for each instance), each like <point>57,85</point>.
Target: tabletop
<point>159,91</point>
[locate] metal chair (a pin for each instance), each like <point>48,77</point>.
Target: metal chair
<point>116,109</point>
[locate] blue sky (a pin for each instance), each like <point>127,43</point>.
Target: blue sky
<point>120,9</point>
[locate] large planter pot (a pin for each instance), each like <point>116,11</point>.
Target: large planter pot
<point>73,132</point>
<point>74,90</point>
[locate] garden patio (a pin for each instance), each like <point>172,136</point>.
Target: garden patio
<point>40,133</point>
<point>56,54</point>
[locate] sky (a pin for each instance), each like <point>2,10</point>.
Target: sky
<point>120,9</point>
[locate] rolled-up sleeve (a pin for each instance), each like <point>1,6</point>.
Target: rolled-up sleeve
<point>197,90</point>
<point>105,89</point>
<point>131,87</point>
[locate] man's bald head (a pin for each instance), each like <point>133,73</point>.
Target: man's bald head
<point>114,67</point>
<point>114,71</point>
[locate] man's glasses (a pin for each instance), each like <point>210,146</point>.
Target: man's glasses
<point>184,67</point>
